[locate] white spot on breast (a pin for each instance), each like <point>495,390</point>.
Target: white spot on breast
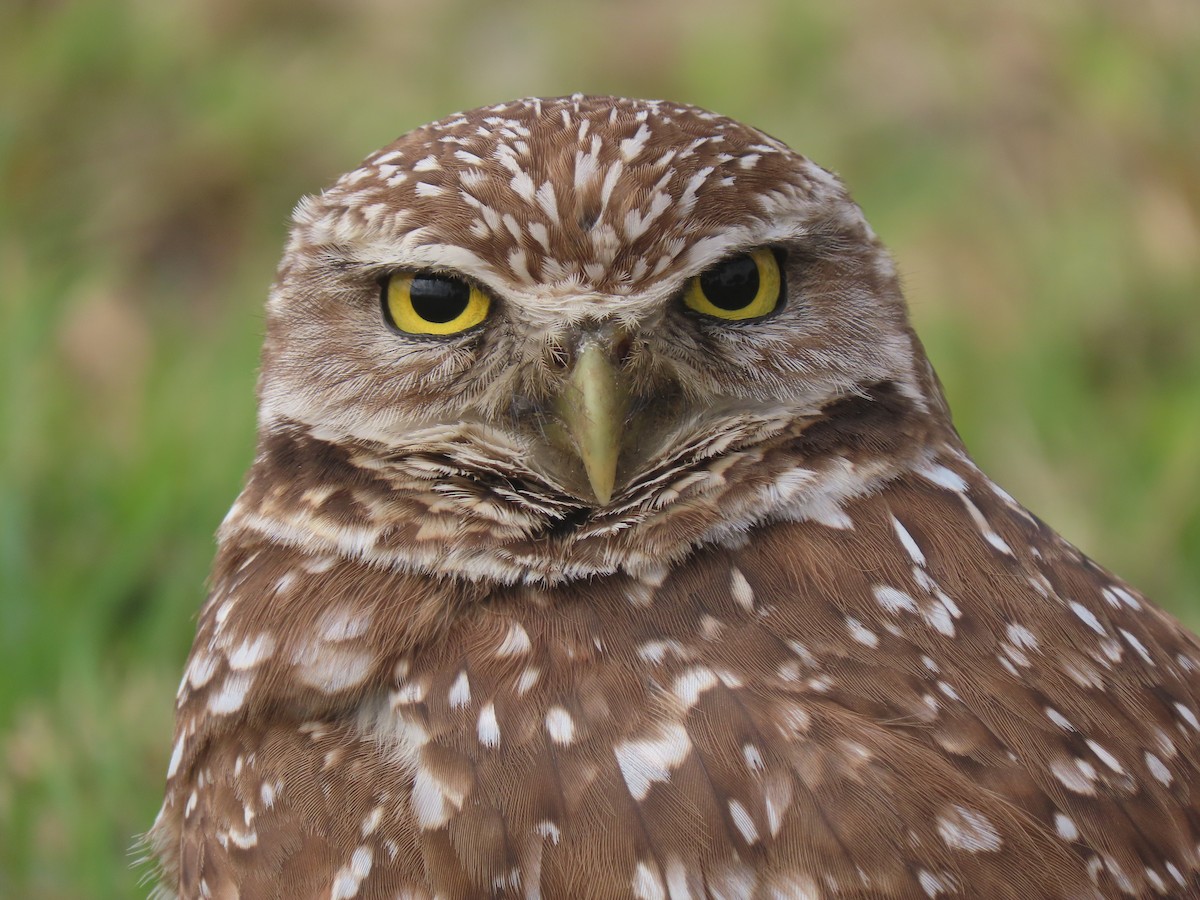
<point>371,821</point>
<point>528,679</point>
<point>560,726</point>
<point>1119,876</point>
<point>1158,768</point>
<point>1112,650</point>
<point>460,691</point>
<point>692,683</point>
<point>343,624</point>
<point>1088,617</point>
<point>515,642</point>
<point>754,760</point>
<point>409,692</point>
<point>243,838</point>
<point>792,886</point>
<point>946,688</point>
<point>647,885</point>
<point>893,599</point>
<point>820,683</point>
<point>943,477</point>
<point>201,669</point>
<point>250,653</point>
<point>1059,719</point>
<point>656,651</point>
<point>488,727</point>
<point>966,829</point>
<point>907,541</point>
<point>740,589</point>
<point>793,721</point>
<point>938,617</point>
<point>677,880</point>
<point>932,885</point>
<point>319,564</point>
<point>268,791</point>
<point>1156,880</point>
<point>1188,716</point>
<point>223,612</point>
<point>1117,595</point>
<point>231,695</point>
<point>1021,636</point>
<point>1176,874</point>
<point>985,528</point>
<point>1138,646</point>
<point>331,668</point>
<point>1065,827</point>
<point>506,881</point>
<point>644,762</point>
<point>743,822</point>
<point>176,756</point>
<point>1105,757</point>
<point>1075,775</point>
<point>861,633</point>
<point>640,594</point>
<point>548,829</point>
<point>1165,744</point>
<point>350,876</point>
<point>424,189</point>
<point>433,800</point>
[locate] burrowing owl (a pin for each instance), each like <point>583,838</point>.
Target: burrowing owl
<point>608,536</point>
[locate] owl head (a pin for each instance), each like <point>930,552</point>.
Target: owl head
<point>553,324</point>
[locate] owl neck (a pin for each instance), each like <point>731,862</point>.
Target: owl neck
<point>433,514</point>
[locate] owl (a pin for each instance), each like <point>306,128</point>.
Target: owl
<point>608,536</point>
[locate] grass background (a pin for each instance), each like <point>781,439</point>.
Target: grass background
<point>1035,167</point>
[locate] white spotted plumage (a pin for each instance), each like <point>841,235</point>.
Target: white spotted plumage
<point>804,649</point>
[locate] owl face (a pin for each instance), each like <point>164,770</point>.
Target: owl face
<point>567,306</point>
<point>569,336</point>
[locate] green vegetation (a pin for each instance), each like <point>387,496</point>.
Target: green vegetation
<point>1035,168</point>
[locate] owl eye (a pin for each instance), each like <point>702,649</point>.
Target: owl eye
<point>746,286</point>
<point>424,303</point>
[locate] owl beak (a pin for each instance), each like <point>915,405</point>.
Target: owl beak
<point>592,406</point>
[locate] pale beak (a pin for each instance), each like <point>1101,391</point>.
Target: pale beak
<point>593,406</point>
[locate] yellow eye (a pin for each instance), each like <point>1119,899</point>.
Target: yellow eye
<point>425,303</point>
<point>746,286</point>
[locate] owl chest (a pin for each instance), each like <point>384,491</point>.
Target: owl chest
<point>761,704</point>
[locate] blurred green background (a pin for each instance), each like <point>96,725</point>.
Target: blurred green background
<point>1034,166</point>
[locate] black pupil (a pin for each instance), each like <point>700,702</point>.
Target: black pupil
<point>439,299</point>
<point>731,285</point>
